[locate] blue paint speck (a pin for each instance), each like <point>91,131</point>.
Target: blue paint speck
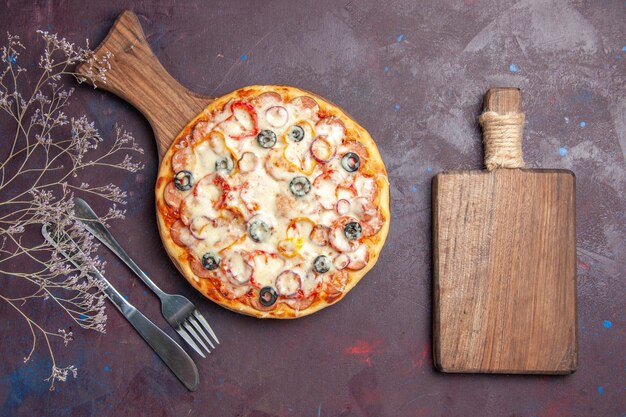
<point>244,57</point>
<point>221,380</point>
<point>582,124</point>
<point>12,59</point>
<point>600,390</point>
<point>397,106</point>
<point>319,410</point>
<point>607,324</point>
<point>399,38</point>
<point>513,68</point>
<point>386,70</point>
<point>623,48</point>
<point>125,296</point>
<point>563,151</point>
<point>414,189</point>
<point>145,292</point>
<point>106,369</point>
<point>429,169</point>
<point>82,317</point>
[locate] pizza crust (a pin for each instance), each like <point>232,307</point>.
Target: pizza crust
<point>179,255</point>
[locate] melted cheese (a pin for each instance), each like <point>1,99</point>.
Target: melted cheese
<point>266,269</point>
<point>237,267</point>
<point>206,158</point>
<point>261,191</point>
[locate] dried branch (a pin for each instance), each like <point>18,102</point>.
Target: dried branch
<point>39,165</point>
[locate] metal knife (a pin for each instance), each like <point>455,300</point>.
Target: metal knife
<point>168,350</point>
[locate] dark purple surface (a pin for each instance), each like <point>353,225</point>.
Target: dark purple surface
<point>413,74</point>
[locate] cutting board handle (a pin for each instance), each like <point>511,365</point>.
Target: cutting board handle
<point>136,75</point>
<point>503,122</point>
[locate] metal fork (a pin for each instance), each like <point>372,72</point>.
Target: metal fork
<point>168,350</point>
<point>179,312</point>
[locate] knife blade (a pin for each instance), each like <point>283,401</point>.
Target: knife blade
<point>165,347</point>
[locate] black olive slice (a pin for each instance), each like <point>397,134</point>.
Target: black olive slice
<point>266,138</point>
<point>267,296</point>
<point>183,180</point>
<point>210,261</point>
<point>258,230</point>
<point>351,162</point>
<point>295,133</point>
<point>224,164</point>
<point>322,264</point>
<point>300,186</point>
<point>352,230</point>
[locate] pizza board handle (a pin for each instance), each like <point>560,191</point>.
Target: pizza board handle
<point>136,75</point>
<point>502,122</point>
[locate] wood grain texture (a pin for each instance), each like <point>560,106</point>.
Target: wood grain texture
<point>504,260</point>
<point>137,76</point>
<point>504,271</point>
<point>503,100</point>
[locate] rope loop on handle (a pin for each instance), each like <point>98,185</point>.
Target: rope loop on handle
<point>502,139</point>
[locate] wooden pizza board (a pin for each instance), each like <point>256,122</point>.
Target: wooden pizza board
<point>504,247</point>
<point>136,75</point>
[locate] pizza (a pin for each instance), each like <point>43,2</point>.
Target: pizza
<point>273,202</point>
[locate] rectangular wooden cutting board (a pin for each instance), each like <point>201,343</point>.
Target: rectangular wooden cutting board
<point>504,268</point>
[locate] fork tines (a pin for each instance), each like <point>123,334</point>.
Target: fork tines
<point>194,329</point>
